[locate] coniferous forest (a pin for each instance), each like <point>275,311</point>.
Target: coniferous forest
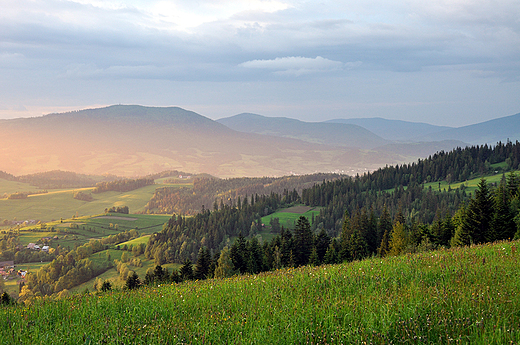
<point>385,212</point>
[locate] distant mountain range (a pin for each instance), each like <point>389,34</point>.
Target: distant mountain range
<point>337,134</point>
<point>131,140</point>
<point>395,130</point>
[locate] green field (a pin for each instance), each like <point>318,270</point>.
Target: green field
<point>289,216</point>
<point>462,295</point>
<point>93,227</point>
<point>471,185</point>
<point>58,204</point>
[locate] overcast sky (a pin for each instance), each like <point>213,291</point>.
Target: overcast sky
<point>445,62</point>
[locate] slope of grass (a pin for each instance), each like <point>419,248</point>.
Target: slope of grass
<point>462,295</point>
<point>289,216</point>
<point>58,204</point>
<point>471,185</point>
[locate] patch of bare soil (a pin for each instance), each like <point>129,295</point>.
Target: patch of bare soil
<point>298,209</point>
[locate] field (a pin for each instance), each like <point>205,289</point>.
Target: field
<point>471,185</point>
<point>289,216</point>
<point>92,227</point>
<point>58,204</point>
<point>463,295</point>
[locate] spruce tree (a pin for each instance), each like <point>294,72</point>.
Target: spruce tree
<point>186,271</point>
<point>302,241</point>
<point>479,214</point>
<point>502,224</point>
<point>202,265</point>
<point>322,243</point>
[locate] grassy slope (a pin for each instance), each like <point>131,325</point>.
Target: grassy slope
<point>289,218</point>
<point>471,185</point>
<point>469,295</point>
<point>58,204</point>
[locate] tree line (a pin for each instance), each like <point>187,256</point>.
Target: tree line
<point>125,185</point>
<point>369,204</point>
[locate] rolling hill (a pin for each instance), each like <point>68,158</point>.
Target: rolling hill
<point>394,129</point>
<point>489,132</point>
<point>131,140</point>
<point>335,134</point>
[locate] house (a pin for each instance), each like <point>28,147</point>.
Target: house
<point>6,264</point>
<point>45,248</point>
<point>31,246</point>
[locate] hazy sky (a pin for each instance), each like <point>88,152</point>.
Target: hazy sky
<point>447,62</point>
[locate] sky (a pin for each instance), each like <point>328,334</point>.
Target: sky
<point>444,62</point>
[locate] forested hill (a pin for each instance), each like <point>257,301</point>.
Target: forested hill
<point>361,210</point>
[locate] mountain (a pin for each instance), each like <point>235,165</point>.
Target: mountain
<point>131,140</point>
<point>335,134</point>
<point>489,132</point>
<point>396,130</point>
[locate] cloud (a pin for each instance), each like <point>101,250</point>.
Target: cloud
<point>298,65</point>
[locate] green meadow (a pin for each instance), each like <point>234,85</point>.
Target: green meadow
<point>93,227</point>
<point>289,216</point>
<point>470,185</point>
<point>462,295</point>
<point>58,204</point>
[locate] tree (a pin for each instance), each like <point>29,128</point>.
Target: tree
<point>322,243</point>
<point>303,241</point>
<point>479,214</point>
<point>224,267</point>
<point>238,254</point>
<point>398,240</point>
<point>186,270</point>
<point>202,265</point>
<point>502,223</point>
<point>106,286</point>
<point>133,281</point>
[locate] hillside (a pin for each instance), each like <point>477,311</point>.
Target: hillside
<point>489,132</point>
<point>135,141</point>
<point>462,295</point>
<point>346,135</point>
<point>394,129</point>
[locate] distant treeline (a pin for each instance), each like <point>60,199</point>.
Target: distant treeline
<point>57,179</point>
<point>357,211</point>
<point>122,185</point>
<point>205,191</point>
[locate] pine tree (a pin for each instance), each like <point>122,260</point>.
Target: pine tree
<point>314,259</point>
<point>186,270</point>
<point>303,241</point>
<point>238,254</point>
<point>479,214</point>
<point>322,243</point>
<point>502,224</point>
<point>133,281</point>
<point>462,236</point>
<point>385,228</point>
<point>255,257</point>
<point>202,265</point>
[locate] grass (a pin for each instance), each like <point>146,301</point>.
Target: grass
<point>471,185</point>
<point>462,295</point>
<point>288,217</point>
<point>58,204</point>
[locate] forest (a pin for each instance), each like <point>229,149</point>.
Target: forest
<point>124,185</point>
<point>386,212</point>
